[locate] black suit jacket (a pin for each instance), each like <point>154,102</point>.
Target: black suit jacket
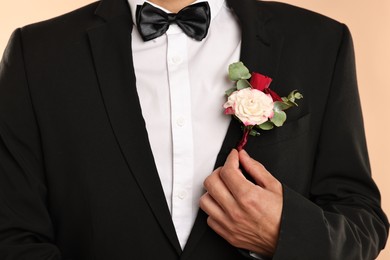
<point>77,175</point>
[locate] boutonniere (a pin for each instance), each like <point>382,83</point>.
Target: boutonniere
<point>254,104</point>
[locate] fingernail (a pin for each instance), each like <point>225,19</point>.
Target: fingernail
<point>233,150</point>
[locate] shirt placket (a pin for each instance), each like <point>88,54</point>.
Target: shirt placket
<point>182,138</point>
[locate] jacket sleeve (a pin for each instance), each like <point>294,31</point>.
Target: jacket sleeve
<point>342,217</point>
<point>26,230</point>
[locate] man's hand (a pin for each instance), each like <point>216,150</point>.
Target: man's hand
<point>247,215</point>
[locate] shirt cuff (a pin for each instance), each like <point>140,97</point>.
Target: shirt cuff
<point>252,255</point>
<point>258,256</point>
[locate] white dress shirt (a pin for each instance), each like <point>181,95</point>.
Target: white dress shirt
<point>181,84</point>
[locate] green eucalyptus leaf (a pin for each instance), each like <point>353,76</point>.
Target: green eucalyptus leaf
<point>279,118</point>
<point>253,132</point>
<point>268,125</point>
<point>291,97</point>
<point>298,95</point>
<point>238,71</point>
<point>243,83</point>
<point>294,95</point>
<point>293,103</point>
<point>230,91</point>
<point>280,106</point>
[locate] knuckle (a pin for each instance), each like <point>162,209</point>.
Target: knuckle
<point>206,182</point>
<point>261,166</point>
<point>210,222</point>
<point>249,200</point>
<point>225,173</point>
<point>210,180</point>
<point>275,185</point>
<point>202,201</point>
<point>246,199</point>
<point>278,186</point>
<point>235,214</point>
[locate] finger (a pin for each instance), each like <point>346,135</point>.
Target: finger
<point>232,176</point>
<point>211,207</point>
<point>256,170</point>
<point>232,161</point>
<point>217,189</point>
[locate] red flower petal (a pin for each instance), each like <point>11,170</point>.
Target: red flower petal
<point>259,81</point>
<point>275,97</point>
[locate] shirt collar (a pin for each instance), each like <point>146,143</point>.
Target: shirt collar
<point>215,7</point>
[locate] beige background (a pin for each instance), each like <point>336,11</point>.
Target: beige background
<point>369,22</point>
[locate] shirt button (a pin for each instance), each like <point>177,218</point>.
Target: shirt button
<point>181,121</point>
<point>182,194</point>
<point>176,60</point>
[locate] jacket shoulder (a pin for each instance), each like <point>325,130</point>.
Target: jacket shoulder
<point>62,27</point>
<point>293,20</point>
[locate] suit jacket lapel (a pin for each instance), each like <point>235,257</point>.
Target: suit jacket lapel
<point>111,50</point>
<point>261,43</point>
<point>260,51</point>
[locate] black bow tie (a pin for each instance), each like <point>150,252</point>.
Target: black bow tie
<point>194,20</point>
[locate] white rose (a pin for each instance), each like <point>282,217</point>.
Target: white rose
<point>251,106</point>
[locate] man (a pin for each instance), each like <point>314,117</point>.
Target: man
<point>107,136</point>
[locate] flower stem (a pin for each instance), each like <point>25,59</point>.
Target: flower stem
<point>244,139</point>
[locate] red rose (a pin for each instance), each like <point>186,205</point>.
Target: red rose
<point>275,97</point>
<point>261,82</point>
